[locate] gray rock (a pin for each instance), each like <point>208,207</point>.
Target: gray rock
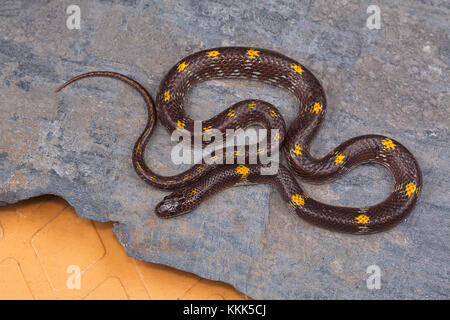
<point>78,144</point>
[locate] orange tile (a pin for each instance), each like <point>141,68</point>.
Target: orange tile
<point>12,282</point>
<point>110,289</point>
<point>48,252</point>
<point>64,242</point>
<point>163,282</point>
<point>212,290</point>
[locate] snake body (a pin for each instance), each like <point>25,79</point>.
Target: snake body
<point>205,179</point>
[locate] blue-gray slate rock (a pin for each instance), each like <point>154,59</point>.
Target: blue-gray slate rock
<point>77,144</point>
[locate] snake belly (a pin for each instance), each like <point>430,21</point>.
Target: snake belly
<point>205,179</point>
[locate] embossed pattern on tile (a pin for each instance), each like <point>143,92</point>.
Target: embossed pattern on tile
<point>44,246</point>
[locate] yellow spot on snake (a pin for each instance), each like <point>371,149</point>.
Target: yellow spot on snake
<point>252,105</point>
<point>339,158</point>
<point>213,54</point>
<point>231,113</point>
<point>298,199</point>
<point>297,150</point>
<point>410,189</point>
<point>273,114</point>
<point>297,68</point>
<point>242,170</point>
<point>139,166</point>
<point>261,150</point>
<point>236,153</point>
<point>362,218</point>
<point>152,177</point>
<point>167,95</point>
<point>182,66</point>
<point>181,124</point>
<point>316,108</point>
<point>137,148</point>
<point>193,192</point>
<point>252,53</point>
<point>388,144</point>
<point>206,129</point>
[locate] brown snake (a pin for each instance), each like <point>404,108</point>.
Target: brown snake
<point>203,180</point>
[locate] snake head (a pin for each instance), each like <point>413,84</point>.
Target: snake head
<point>173,205</point>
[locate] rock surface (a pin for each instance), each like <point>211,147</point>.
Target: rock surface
<point>77,144</point>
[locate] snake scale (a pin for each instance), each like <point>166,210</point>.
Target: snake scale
<point>205,179</point>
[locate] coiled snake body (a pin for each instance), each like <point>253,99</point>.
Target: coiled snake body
<point>205,179</point>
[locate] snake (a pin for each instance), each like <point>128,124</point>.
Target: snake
<point>204,179</point>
